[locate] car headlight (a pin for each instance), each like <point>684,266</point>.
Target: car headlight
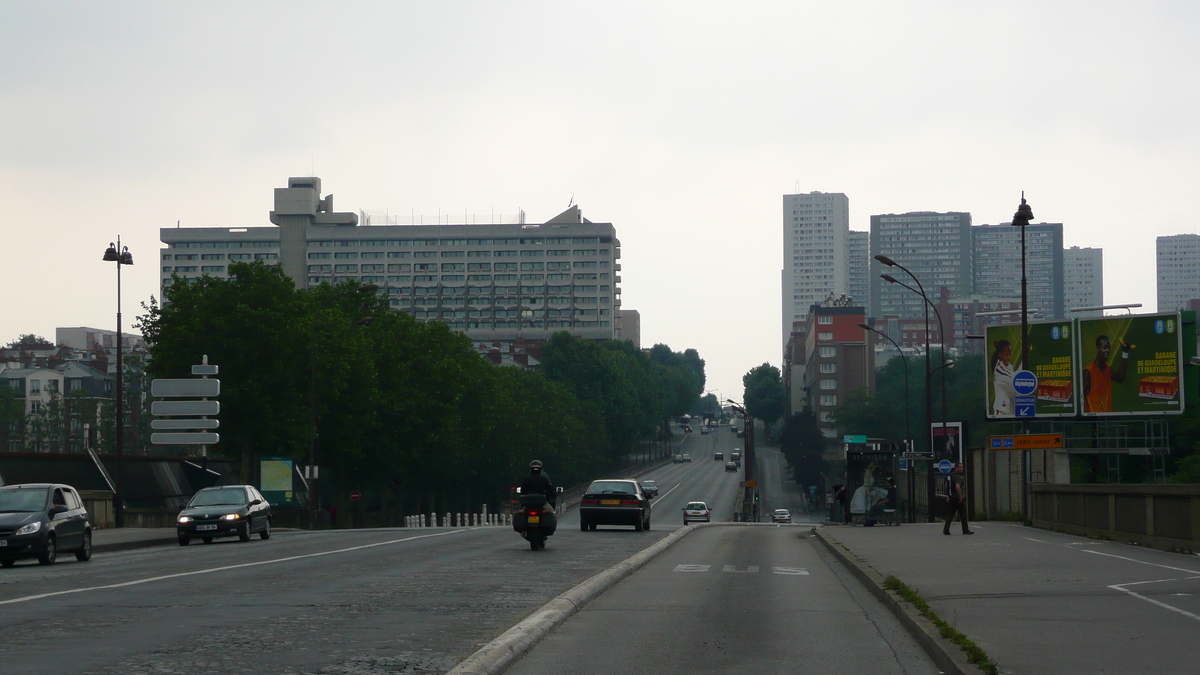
<point>185,519</point>
<point>231,516</point>
<point>30,528</point>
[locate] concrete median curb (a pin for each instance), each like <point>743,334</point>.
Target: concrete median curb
<point>133,544</point>
<point>511,645</point>
<point>947,655</point>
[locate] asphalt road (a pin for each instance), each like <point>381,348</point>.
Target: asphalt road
<point>732,599</point>
<point>350,601</point>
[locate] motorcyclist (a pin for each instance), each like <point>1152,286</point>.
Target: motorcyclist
<point>538,483</point>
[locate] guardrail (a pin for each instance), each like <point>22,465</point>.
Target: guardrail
<point>1162,516</point>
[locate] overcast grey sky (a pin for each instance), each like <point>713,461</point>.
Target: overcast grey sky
<point>683,123</point>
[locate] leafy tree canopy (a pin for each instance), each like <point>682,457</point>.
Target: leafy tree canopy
<point>30,340</point>
<point>765,397</point>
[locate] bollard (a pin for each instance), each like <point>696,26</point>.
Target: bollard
<point>433,520</point>
<point>446,521</point>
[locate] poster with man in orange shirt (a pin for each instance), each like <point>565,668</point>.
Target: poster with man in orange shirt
<point>1135,364</point>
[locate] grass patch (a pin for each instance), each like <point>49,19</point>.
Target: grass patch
<point>974,653</point>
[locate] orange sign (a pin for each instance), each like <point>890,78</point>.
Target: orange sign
<point>1026,442</point>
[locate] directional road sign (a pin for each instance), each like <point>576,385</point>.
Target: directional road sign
<point>185,408</point>
<point>186,424</point>
<point>1026,442</point>
<point>202,388</point>
<point>945,466</point>
<point>1024,406</point>
<point>185,439</point>
<point>858,438</point>
<point>917,455</point>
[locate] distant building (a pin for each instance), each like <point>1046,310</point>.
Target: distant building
<point>935,247</point>
<point>1083,280</point>
<point>629,326</point>
<point>93,339</point>
<point>60,406</point>
<point>816,229</point>
<point>997,251</point>
<point>839,359</point>
<point>512,281</point>
<point>858,267</point>
<point>1178,264</point>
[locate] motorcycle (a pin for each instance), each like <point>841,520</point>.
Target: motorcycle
<point>535,520</point>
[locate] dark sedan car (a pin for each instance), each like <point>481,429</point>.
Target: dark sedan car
<point>651,488</point>
<point>614,502</point>
<point>38,520</point>
<point>231,510</point>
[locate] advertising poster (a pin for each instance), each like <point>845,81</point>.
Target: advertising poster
<point>947,443</point>
<point>871,482</point>
<point>1131,365</point>
<point>1051,358</point>
<point>276,480</point>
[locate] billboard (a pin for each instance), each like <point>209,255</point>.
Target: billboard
<point>276,480</point>
<point>1052,358</point>
<point>1131,365</point>
<point>946,442</point>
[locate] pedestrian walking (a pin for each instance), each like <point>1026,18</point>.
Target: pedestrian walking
<point>957,500</point>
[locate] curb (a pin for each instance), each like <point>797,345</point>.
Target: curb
<point>948,657</point>
<point>511,645</point>
<point>131,545</point>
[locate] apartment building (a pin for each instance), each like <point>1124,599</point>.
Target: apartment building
<point>997,264</point>
<point>816,229</point>
<point>858,268</point>
<point>1178,264</point>
<point>1083,280</point>
<point>489,281</point>
<point>935,247</point>
<point>839,359</point>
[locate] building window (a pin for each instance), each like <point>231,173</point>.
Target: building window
<point>35,386</point>
<point>829,399</point>
<point>828,383</point>
<point>824,336</point>
<point>51,386</point>
<point>825,320</point>
<point>828,367</point>
<point>826,416</point>
<point>827,352</point>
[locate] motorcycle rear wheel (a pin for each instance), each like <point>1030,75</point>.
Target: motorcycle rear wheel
<point>534,543</point>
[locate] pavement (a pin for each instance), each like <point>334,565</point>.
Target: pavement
<point>1035,601</point>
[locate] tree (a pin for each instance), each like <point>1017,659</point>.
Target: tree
<point>803,445</point>
<point>765,397</point>
<point>30,340</point>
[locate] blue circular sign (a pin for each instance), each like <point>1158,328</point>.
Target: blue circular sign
<point>945,466</point>
<point>1025,382</point>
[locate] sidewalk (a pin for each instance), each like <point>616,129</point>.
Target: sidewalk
<point>125,538</point>
<point>1037,601</point>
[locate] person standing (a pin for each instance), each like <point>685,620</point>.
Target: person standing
<point>957,500</point>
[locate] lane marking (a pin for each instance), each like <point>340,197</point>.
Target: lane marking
<point>1143,562</point>
<point>1117,587</point>
<point>692,568</point>
<point>798,571</point>
<point>164,577</point>
<point>669,491</point>
<point>750,569</point>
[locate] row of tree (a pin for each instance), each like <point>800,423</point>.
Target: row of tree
<point>401,409</point>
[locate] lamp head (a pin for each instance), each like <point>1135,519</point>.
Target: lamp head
<point>368,288</point>
<point>1024,213</point>
<point>111,254</point>
<point>126,256</point>
<point>885,260</point>
<point>888,278</point>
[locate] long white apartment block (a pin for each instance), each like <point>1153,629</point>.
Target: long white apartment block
<point>1178,263</point>
<point>1083,280</point>
<point>816,232</point>
<point>491,282</point>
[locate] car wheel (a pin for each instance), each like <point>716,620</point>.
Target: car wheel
<point>84,553</point>
<point>207,540</point>
<point>266,531</point>
<point>184,541</point>
<point>48,556</point>
<point>9,562</point>
<point>592,527</point>
<point>647,523</point>
<point>244,533</point>
<point>583,525</point>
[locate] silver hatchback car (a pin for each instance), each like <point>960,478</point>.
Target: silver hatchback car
<point>696,512</point>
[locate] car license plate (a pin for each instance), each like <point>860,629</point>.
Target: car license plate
<point>534,519</point>
<point>3,542</point>
<point>201,528</point>
<point>610,501</point>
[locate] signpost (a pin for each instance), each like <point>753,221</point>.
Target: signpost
<point>183,429</point>
<point>1026,442</point>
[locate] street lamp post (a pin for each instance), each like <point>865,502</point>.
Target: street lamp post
<point>313,445</point>
<point>120,255</point>
<point>912,482</point>
<point>1021,219</point>
<point>920,290</point>
<point>749,444</point>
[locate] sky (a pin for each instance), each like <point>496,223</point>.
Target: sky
<point>682,123</point>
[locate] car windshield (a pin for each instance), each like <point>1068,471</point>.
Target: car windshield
<point>610,487</point>
<point>696,506</point>
<point>648,483</point>
<point>781,512</point>
<point>21,501</point>
<point>220,497</point>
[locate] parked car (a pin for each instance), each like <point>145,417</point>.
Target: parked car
<point>231,510</point>
<point>614,502</point>
<point>696,512</point>
<point>731,466</point>
<point>781,516</point>
<point>687,457</point>
<point>650,487</point>
<point>37,520</point>
<point>718,456</point>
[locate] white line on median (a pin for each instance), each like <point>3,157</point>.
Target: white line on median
<point>221,569</point>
